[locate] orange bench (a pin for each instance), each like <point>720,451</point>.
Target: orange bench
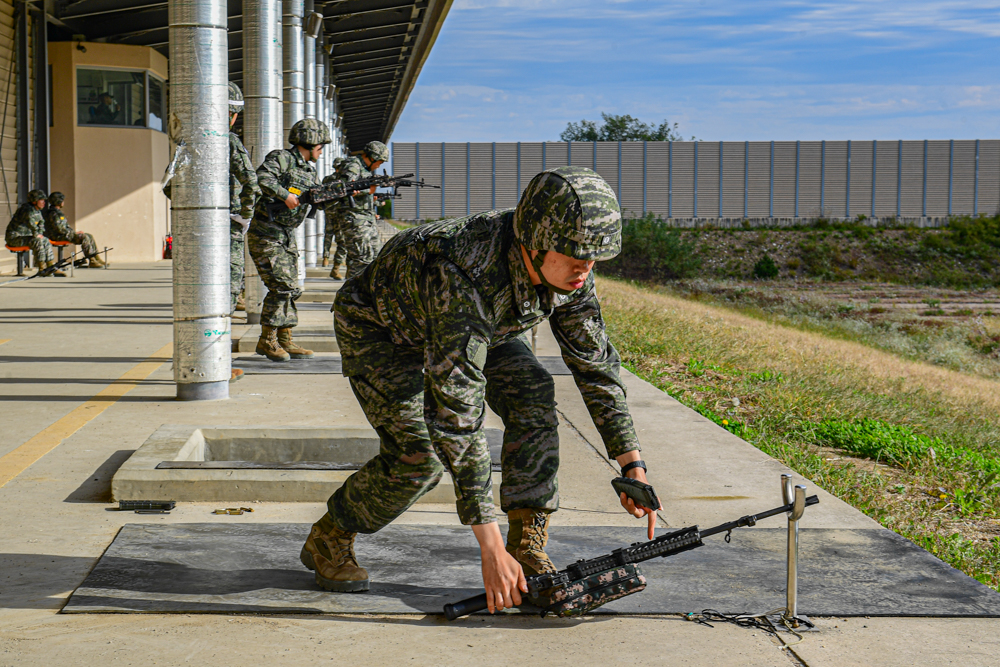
<point>60,245</point>
<point>20,250</point>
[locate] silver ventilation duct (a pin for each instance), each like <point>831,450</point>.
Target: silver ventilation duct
<point>263,129</point>
<point>198,125</point>
<point>293,82</point>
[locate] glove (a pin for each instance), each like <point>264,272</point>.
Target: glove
<point>244,223</point>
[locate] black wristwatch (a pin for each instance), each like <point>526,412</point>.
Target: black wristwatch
<point>634,464</point>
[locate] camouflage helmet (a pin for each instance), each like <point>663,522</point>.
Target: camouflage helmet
<point>35,196</point>
<point>570,210</point>
<point>309,132</point>
<point>235,99</point>
<point>376,151</point>
<point>56,199</point>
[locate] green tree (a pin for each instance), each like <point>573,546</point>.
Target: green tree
<point>620,128</point>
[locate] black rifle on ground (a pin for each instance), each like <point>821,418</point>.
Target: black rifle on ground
<point>580,576</point>
<point>42,273</point>
<point>333,190</point>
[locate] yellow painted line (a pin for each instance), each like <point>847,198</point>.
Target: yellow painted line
<point>4,340</point>
<point>14,463</point>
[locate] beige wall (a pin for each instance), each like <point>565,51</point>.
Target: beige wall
<point>110,175</point>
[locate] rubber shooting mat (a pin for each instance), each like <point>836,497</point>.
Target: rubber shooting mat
<point>319,365</point>
<point>255,568</point>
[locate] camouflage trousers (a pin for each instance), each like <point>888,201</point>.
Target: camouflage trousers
<point>236,263</point>
<point>40,247</point>
<point>333,230</point>
<point>276,260</point>
<point>360,239</point>
<point>85,240</point>
<point>391,393</point>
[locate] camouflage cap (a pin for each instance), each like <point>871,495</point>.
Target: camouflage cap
<point>235,99</point>
<point>56,199</point>
<point>35,195</point>
<point>376,151</point>
<point>570,210</point>
<point>309,132</point>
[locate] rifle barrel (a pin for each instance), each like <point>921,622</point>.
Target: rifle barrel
<point>752,519</point>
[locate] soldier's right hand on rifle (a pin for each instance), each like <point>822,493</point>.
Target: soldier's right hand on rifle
<point>291,201</point>
<point>503,577</point>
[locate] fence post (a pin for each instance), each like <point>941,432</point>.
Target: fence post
<point>746,178</point>
<point>443,214</point>
<point>417,175</point>
<point>619,186</point>
<point>468,177</point>
<point>594,158</point>
<point>975,185</point>
<point>696,180</point>
<point>797,179</point>
<point>493,181</point>
<point>923,208</point>
<point>899,181</point>
<point>644,172</point>
<point>822,178</point>
<point>770,194</point>
<point>670,179</point>
<point>519,170</point>
<point>951,171</point>
<point>874,173</point>
<point>569,152</point>
<point>847,198</point>
<point>543,156</point>
<point>721,172</point>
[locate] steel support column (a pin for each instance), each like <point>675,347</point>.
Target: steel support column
<point>40,46</point>
<point>199,115</point>
<point>22,26</point>
<point>309,111</point>
<point>262,114</point>
<point>293,84</point>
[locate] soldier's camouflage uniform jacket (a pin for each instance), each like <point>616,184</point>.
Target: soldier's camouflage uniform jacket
<point>355,218</point>
<point>440,315</point>
<point>57,229</point>
<point>243,195</point>
<point>272,242</point>
<point>23,230</point>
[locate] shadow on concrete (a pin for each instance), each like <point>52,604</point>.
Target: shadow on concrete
<point>131,321</point>
<point>97,487</point>
<point>43,398</point>
<point>79,360</point>
<point>39,581</point>
<point>125,306</point>
<point>103,381</point>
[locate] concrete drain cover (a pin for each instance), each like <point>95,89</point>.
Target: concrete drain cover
<point>239,567</point>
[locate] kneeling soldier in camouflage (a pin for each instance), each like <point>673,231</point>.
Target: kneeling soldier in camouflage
<point>57,229</point>
<point>435,327</point>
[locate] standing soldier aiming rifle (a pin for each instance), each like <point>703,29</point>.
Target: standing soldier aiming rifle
<point>57,229</point>
<point>330,233</point>
<point>27,229</point>
<point>284,174</point>
<point>355,213</point>
<point>433,330</point>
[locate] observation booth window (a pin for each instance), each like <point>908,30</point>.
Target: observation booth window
<point>120,98</point>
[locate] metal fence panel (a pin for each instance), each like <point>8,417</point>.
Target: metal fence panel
<point>938,153</point>
<point>859,193</point>
<point>810,178</point>
<point>630,189</point>
<point>404,162</point>
<point>658,178</point>
<point>682,185</point>
<point>911,185</point>
<point>531,163</point>
<point>481,175</point>
<point>759,179</point>
<point>506,175</point>
<point>607,163</point>
<point>733,178</point>
<point>989,178</point>
<point>886,178</point>
<point>455,174</point>
<point>784,179</point>
<point>708,179</point>
<point>963,183</point>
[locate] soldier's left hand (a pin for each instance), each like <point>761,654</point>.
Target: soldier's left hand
<point>638,511</point>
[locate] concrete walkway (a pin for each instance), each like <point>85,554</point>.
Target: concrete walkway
<point>85,378</point>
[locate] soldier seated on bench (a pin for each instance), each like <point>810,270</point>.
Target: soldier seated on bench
<point>26,229</point>
<point>57,229</point>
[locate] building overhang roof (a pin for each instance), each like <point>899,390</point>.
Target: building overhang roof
<point>377,47</point>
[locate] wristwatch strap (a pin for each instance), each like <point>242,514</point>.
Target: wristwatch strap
<point>634,464</point>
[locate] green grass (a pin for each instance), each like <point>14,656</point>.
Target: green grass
<point>913,447</point>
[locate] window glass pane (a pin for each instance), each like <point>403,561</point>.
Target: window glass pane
<point>110,97</point>
<point>157,104</point>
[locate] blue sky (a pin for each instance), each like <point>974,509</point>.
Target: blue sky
<point>520,70</point>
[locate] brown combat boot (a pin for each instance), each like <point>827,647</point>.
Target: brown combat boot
<point>526,540</point>
<point>268,345</point>
<point>57,272</point>
<point>95,262</point>
<point>329,551</point>
<point>326,261</point>
<point>286,342</point>
<point>336,274</point>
